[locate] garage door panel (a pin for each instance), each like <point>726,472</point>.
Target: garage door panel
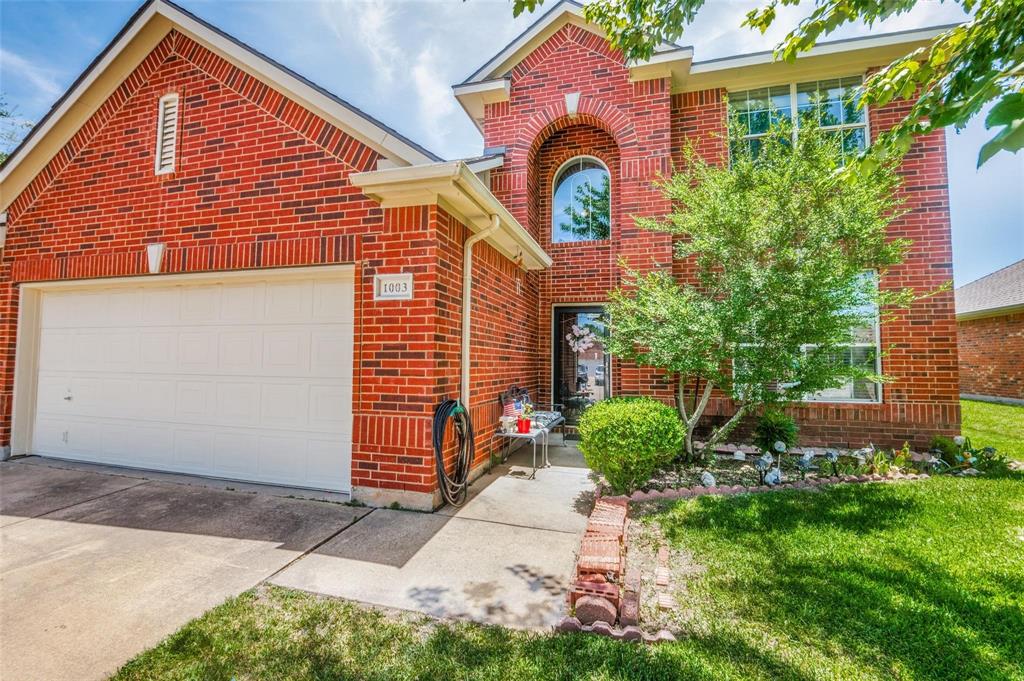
<point>237,403</point>
<point>249,380</point>
<point>289,301</point>
<point>284,405</point>
<point>193,450</point>
<point>234,455</point>
<point>239,352</point>
<point>243,303</point>
<point>194,401</point>
<point>87,352</point>
<point>282,458</point>
<point>286,352</point>
<point>321,467</point>
<point>160,306</point>
<point>156,398</point>
<point>200,304</point>
<point>197,351</point>
<point>331,352</point>
<point>158,351</point>
<point>55,349</point>
<point>50,393</point>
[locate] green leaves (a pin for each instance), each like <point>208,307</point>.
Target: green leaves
<point>1008,113</point>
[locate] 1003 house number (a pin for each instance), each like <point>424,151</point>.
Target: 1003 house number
<point>392,286</point>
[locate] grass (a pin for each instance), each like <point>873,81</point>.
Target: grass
<point>883,581</point>
<point>996,425</point>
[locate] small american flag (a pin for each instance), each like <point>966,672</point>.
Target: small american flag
<point>508,409</point>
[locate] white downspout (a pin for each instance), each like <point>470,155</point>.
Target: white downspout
<point>467,302</point>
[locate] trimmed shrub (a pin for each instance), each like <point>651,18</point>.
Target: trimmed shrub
<point>627,439</point>
<point>946,449</point>
<point>772,427</point>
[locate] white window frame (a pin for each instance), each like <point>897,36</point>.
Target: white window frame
<point>554,188</point>
<point>794,111</point>
<point>877,345</point>
<point>160,133</point>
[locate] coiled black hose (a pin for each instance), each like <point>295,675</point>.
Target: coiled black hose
<point>453,487</point>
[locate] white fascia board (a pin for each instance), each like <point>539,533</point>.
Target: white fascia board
<point>346,119</point>
<point>556,13</point>
<point>473,96</point>
<point>78,90</point>
<point>822,49</point>
<point>455,185</point>
<point>674,64</point>
<point>990,312</point>
<point>486,164</point>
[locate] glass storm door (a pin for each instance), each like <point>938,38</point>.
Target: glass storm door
<point>582,368</point>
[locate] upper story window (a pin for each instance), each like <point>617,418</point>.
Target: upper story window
<point>166,133</point>
<point>833,104</point>
<point>581,201</point>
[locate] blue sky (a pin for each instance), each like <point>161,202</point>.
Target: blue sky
<point>397,60</point>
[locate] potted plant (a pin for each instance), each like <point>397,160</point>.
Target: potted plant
<point>524,419</point>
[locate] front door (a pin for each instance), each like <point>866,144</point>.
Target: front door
<point>582,368</point>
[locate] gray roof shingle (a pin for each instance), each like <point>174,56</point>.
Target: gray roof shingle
<point>1002,289</point>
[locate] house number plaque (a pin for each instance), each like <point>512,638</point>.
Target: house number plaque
<point>392,286</point>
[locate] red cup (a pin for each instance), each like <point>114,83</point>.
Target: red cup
<point>523,425</point>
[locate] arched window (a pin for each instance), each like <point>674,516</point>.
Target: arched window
<point>581,201</point>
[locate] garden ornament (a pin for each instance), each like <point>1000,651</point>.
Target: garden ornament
<point>959,440</point>
<point>780,446</point>
<point>762,464</point>
<point>805,463</point>
<point>832,456</point>
<point>774,477</point>
<point>707,479</point>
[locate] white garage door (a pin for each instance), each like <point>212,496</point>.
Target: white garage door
<point>242,379</point>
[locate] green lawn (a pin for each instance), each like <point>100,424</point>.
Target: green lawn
<point>921,580</point>
<point>997,425</point>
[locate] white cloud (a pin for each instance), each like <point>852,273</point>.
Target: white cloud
<point>371,24</point>
<point>434,96</point>
<point>41,80</point>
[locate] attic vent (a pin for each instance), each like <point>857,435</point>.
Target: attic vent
<point>166,134</point>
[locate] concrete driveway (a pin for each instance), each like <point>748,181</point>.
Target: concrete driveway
<point>96,567</point>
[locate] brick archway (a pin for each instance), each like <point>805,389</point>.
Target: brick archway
<point>590,111</point>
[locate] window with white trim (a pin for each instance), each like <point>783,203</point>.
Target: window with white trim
<point>166,133</point>
<point>581,201</point>
<point>862,351</point>
<point>833,104</point>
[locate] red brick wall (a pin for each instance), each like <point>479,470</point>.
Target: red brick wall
<point>261,182</point>
<point>648,128</point>
<point>992,356</point>
<point>624,124</point>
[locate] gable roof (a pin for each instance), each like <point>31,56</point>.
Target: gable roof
<point>562,13</point>
<point>143,31</point>
<point>999,293</point>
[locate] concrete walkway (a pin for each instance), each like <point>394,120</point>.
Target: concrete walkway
<point>503,558</point>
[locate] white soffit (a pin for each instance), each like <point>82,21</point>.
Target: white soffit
<point>454,186</point>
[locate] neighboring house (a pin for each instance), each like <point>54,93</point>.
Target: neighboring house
<point>214,266</point>
<point>990,330</point>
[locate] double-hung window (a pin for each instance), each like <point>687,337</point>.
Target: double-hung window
<point>833,104</point>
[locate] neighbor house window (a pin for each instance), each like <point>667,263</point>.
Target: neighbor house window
<point>166,133</point>
<point>833,104</point>
<point>581,201</point>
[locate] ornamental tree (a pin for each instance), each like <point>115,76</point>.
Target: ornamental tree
<point>785,253</point>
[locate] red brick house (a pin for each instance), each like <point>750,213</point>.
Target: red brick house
<point>990,331</point>
<point>212,266</point>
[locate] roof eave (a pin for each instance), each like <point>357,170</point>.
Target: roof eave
<point>456,187</point>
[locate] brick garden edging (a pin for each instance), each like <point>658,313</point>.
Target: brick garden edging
<point>812,483</point>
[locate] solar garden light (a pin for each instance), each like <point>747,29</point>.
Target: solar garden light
<point>762,464</point>
<point>833,458</point>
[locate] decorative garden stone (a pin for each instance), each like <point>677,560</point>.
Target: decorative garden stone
<point>591,609</point>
